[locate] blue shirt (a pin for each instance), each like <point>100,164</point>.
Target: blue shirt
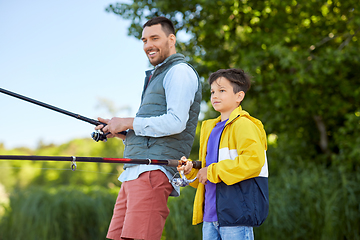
<point>181,85</point>
<point>212,157</point>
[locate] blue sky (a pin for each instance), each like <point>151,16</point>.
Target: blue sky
<point>70,54</point>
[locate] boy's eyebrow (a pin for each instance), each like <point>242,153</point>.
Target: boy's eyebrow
<point>220,87</point>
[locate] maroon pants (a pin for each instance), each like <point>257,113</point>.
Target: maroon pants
<point>141,207</point>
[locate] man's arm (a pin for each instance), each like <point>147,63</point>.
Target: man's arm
<point>181,85</point>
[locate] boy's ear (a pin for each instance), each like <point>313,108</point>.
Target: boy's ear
<point>241,96</point>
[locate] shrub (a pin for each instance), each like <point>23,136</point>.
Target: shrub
<point>62,213</point>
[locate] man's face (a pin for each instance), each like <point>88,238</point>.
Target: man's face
<point>157,45</point>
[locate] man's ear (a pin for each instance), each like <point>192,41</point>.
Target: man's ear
<point>172,40</point>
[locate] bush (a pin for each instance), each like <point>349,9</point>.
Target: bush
<point>178,224</point>
<point>309,202</point>
<point>312,202</point>
<point>62,213</point>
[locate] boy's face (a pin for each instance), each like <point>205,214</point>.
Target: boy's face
<point>223,98</point>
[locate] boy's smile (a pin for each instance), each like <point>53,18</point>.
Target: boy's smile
<point>223,98</point>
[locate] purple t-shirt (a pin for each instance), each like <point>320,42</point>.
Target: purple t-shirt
<point>212,157</point>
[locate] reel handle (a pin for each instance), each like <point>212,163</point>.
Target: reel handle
<point>100,136</point>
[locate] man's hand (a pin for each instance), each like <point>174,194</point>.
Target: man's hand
<point>202,175</point>
<point>115,125</point>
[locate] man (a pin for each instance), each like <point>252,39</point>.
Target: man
<point>163,128</point>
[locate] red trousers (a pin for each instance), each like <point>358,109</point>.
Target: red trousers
<point>141,207</point>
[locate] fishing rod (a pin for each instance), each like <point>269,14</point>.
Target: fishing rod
<point>97,136</point>
<point>182,182</point>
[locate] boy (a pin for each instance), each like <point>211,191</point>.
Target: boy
<point>232,185</point>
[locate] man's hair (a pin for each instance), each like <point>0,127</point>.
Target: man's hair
<point>237,77</point>
<point>166,25</point>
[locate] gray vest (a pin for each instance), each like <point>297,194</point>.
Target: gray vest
<point>153,103</point>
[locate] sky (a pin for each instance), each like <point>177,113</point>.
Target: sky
<point>70,54</point>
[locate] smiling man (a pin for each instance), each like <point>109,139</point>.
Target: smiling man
<point>159,43</point>
<point>163,128</point>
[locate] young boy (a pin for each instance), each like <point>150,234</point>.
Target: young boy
<point>232,185</point>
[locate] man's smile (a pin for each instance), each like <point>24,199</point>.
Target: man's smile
<point>151,53</point>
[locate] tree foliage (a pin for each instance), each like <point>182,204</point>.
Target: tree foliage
<point>303,56</point>
<point>305,62</point>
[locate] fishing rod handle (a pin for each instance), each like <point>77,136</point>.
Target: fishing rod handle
<point>196,164</point>
<point>176,163</point>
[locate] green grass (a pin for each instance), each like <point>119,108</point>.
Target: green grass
<point>63,213</point>
<point>310,202</point>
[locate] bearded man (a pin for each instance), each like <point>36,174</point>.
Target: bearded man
<point>163,128</point>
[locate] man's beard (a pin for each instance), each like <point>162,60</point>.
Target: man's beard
<point>162,57</point>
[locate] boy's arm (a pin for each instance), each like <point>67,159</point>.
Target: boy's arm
<point>250,159</point>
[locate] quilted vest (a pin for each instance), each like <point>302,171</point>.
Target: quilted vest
<point>153,103</point>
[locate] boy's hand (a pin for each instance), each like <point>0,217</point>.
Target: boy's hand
<point>186,168</point>
<point>202,175</point>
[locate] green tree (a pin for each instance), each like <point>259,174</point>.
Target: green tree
<point>305,62</point>
<point>303,56</point>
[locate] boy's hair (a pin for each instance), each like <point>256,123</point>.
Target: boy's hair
<point>166,25</point>
<point>237,77</point>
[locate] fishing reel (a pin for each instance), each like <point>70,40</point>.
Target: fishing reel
<point>183,181</point>
<point>99,136</point>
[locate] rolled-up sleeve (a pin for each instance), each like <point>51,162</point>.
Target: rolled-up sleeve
<point>181,85</point>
